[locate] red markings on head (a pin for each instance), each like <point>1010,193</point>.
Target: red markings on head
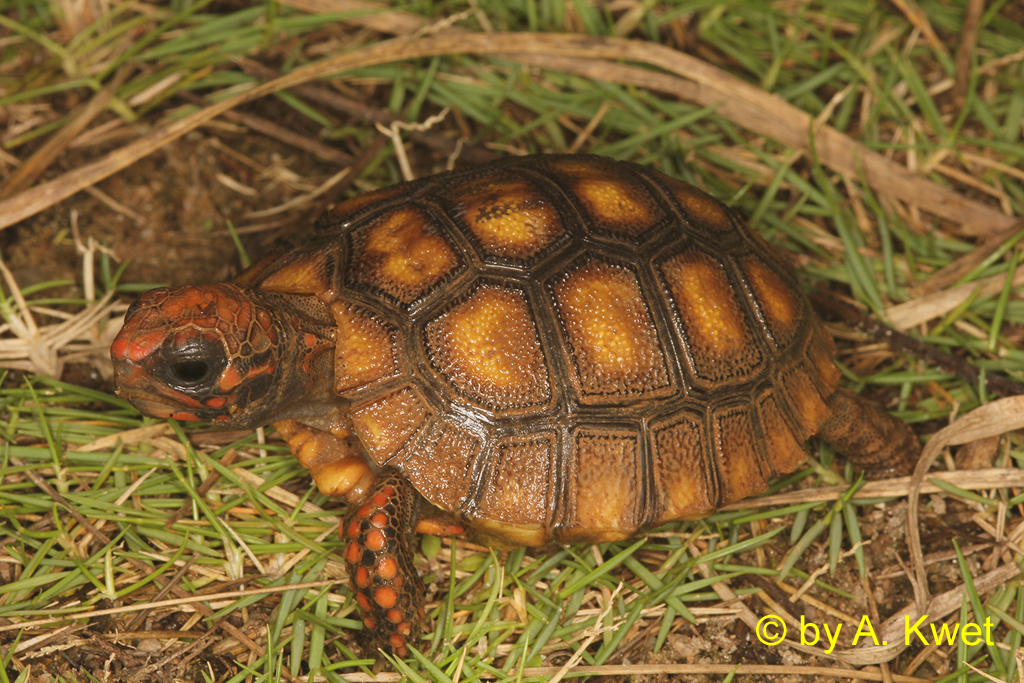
<point>265,369</point>
<point>141,346</point>
<point>222,311</point>
<point>266,324</point>
<point>119,349</point>
<point>230,378</point>
<point>187,299</point>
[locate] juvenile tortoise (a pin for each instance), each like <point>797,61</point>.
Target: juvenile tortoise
<point>550,349</point>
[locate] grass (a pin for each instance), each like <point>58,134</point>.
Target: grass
<point>206,556</point>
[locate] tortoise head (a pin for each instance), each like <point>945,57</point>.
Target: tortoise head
<point>223,354</point>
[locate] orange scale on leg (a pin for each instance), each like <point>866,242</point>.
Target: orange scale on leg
<point>385,597</point>
<point>390,606</point>
<point>353,552</point>
<point>375,540</point>
<point>387,567</point>
<point>362,577</point>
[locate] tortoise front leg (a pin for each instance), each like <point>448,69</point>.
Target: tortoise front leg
<point>378,556</point>
<point>333,455</point>
<point>383,511</point>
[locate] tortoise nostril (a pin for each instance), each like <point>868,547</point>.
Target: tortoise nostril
<point>190,372</point>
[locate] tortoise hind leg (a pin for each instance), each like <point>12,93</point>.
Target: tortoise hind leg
<point>872,439</point>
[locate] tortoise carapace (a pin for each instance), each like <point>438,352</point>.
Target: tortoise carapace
<point>546,349</point>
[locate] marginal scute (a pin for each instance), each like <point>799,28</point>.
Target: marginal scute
<point>714,330</point>
<point>785,453</point>
<point>806,404</point>
<point>612,198</point>
<point>517,487</point>
<point>701,210</point>
<point>741,471</point>
<point>447,448</point>
<point>781,305</point>
<point>678,447</point>
<point>402,254</point>
<point>306,276</point>
<point>509,215</point>
<point>821,349</point>
<point>366,350</point>
<point>605,485</point>
<point>350,208</point>
<point>610,334</point>
<point>385,425</point>
<point>487,348</point>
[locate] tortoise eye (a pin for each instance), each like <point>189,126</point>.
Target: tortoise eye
<point>189,372</point>
<point>191,363</point>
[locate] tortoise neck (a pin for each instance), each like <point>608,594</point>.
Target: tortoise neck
<point>306,386</point>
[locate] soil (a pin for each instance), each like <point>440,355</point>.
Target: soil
<point>176,228</point>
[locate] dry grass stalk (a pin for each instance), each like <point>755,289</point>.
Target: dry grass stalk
<point>737,100</point>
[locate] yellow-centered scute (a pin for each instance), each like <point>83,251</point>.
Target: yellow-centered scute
<point>402,254</point>
<point>713,327</point>
<point>608,327</point>
<point>511,217</point>
<point>488,349</point>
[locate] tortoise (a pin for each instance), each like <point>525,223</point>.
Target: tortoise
<point>547,349</point>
